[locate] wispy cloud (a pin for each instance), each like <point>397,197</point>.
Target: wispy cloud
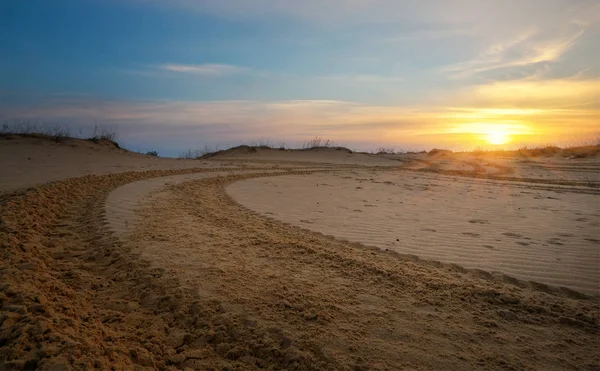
<point>207,70</point>
<point>558,93</point>
<point>525,49</point>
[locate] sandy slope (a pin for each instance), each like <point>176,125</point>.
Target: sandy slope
<point>28,162</point>
<point>547,234</point>
<point>163,269</point>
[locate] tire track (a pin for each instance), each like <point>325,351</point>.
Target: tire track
<point>345,305</point>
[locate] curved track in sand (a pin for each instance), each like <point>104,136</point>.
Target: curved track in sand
<point>200,281</point>
<point>309,289</point>
<point>546,234</point>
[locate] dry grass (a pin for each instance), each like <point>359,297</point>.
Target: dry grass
<point>386,151</point>
<point>318,142</point>
<point>580,151</point>
<point>56,132</point>
<point>104,133</point>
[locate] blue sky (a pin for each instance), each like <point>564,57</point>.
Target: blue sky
<point>173,75</point>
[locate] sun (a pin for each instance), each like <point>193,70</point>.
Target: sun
<point>497,137</point>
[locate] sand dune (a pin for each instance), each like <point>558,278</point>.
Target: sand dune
<point>129,262</point>
<point>30,161</point>
<point>337,156</point>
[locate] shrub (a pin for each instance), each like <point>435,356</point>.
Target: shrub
<point>35,128</point>
<point>440,152</point>
<point>102,133</point>
<point>317,142</point>
<point>385,151</point>
<point>192,154</point>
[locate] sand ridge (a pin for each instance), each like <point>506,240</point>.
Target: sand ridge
<point>31,161</point>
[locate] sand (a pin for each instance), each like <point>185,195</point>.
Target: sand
<point>170,268</point>
<point>322,156</point>
<point>546,234</point>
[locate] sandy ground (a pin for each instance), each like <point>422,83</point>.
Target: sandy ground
<point>28,162</point>
<point>122,205</point>
<point>546,234</point>
<point>159,267</point>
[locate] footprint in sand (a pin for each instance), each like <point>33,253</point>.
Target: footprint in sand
<point>555,241</point>
<point>565,234</point>
<point>479,221</point>
<point>510,234</point>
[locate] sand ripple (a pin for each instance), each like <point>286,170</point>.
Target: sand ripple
<point>549,235</point>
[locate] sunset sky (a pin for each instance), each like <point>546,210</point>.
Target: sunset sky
<point>408,74</point>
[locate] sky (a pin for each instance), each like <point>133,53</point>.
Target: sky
<point>405,74</point>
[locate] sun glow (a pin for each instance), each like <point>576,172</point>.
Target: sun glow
<point>497,137</point>
<point>495,131</point>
